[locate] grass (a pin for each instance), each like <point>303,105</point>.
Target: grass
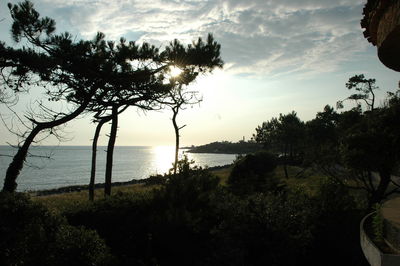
<point>64,201</point>
<point>223,174</point>
<point>308,181</point>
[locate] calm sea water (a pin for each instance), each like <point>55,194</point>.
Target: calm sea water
<point>70,165</point>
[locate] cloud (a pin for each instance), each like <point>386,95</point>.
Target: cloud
<point>258,37</point>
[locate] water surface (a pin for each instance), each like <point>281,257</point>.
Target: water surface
<point>70,165</point>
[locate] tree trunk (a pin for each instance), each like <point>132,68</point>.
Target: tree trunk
<point>285,162</point>
<point>110,151</point>
<point>379,194</point>
<point>94,155</point>
<point>17,163</point>
<point>176,128</point>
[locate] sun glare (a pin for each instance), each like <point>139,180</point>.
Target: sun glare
<point>175,71</point>
<point>164,157</point>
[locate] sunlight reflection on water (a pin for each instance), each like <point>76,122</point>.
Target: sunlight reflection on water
<point>163,158</point>
<point>70,165</point>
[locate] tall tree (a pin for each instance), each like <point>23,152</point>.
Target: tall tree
<point>373,146</point>
<point>364,91</point>
<point>179,96</point>
<point>150,82</point>
<point>283,134</point>
<point>96,75</point>
<point>322,137</point>
<point>177,100</point>
<point>361,149</point>
<point>63,68</point>
<point>100,122</point>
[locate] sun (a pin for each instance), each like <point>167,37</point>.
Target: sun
<point>174,71</point>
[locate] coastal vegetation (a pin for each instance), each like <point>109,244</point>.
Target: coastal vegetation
<point>194,218</point>
<point>96,77</point>
<point>227,147</point>
<point>294,196</point>
<point>290,204</point>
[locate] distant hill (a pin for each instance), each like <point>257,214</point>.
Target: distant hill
<point>241,147</point>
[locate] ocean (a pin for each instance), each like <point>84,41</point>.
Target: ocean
<point>58,166</point>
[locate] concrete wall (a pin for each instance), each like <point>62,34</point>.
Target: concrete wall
<point>374,256</point>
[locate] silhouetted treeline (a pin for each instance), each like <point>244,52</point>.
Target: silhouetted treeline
<point>360,149</point>
<point>227,147</point>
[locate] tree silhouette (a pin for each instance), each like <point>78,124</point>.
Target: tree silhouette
<point>322,137</point>
<point>178,99</point>
<point>149,82</point>
<point>283,134</point>
<point>97,76</point>
<point>365,91</point>
<point>360,150</point>
<point>372,146</point>
<point>66,70</point>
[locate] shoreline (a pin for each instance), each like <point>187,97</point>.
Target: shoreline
<point>78,188</point>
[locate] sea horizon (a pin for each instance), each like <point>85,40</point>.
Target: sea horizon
<point>54,166</point>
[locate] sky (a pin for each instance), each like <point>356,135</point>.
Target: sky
<point>279,56</point>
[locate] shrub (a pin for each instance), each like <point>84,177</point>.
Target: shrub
<point>31,235</point>
<point>337,225</point>
<point>155,180</point>
<point>263,229</point>
<point>377,223</point>
<point>169,226</point>
<point>253,173</point>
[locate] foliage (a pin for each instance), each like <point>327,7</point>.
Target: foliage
<point>97,76</point>
<point>283,134</point>
<point>263,229</point>
<point>163,226</point>
<point>377,223</point>
<point>192,220</point>
<point>372,145</point>
<point>322,136</point>
<point>189,184</point>
<point>336,225</point>
<point>254,173</point>
<point>365,91</point>
<point>155,180</point>
<point>31,235</point>
<point>358,149</point>
<point>226,147</point>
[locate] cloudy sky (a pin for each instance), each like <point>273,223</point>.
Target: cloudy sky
<point>279,56</point>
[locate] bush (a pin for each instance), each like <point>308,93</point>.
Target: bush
<point>191,220</point>
<point>169,226</point>
<point>263,229</point>
<point>254,173</point>
<point>31,235</point>
<point>155,180</point>
<point>337,225</point>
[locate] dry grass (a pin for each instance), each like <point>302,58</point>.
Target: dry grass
<point>308,182</point>
<point>223,174</point>
<point>63,201</point>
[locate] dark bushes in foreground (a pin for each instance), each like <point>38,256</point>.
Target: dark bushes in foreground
<point>194,221</point>
<point>254,174</point>
<point>31,235</point>
<point>190,220</point>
